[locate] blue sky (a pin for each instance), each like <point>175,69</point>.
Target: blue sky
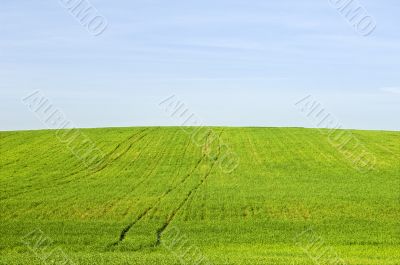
<point>234,63</point>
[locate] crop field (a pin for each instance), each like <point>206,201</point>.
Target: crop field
<point>168,195</point>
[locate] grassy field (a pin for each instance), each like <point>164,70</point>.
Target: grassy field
<point>162,196</point>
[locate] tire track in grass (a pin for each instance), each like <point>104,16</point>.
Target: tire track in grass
<point>41,139</point>
<point>157,162</point>
<point>60,146</point>
<point>381,151</point>
<point>74,195</point>
<point>147,210</point>
<point>145,177</point>
<point>83,170</point>
<point>161,230</point>
<point>325,150</point>
<point>109,156</point>
<point>183,180</point>
<point>112,160</point>
<point>144,213</point>
<point>126,229</point>
<point>254,152</point>
<point>39,161</point>
<point>201,213</point>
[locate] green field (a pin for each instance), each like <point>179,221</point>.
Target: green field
<point>162,195</point>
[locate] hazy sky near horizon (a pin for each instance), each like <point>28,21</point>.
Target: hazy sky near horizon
<point>233,63</point>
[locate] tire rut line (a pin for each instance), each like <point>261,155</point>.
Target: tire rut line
<point>84,169</point>
<point>192,191</point>
<point>116,158</point>
<point>107,163</point>
<point>132,162</point>
<point>152,170</point>
<point>143,179</point>
<point>109,154</point>
<point>136,184</point>
<point>143,214</point>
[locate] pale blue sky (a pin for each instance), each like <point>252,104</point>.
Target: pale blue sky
<point>234,63</point>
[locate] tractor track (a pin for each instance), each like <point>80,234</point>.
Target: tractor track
<point>84,170</point>
<point>192,191</point>
<point>146,176</point>
<point>160,230</point>
<point>144,213</point>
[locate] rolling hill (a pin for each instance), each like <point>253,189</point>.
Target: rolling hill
<point>212,195</point>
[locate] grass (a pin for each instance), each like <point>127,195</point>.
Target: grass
<point>158,197</point>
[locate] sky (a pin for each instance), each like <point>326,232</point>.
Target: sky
<point>232,63</point>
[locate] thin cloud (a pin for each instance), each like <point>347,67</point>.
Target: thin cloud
<point>394,90</point>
